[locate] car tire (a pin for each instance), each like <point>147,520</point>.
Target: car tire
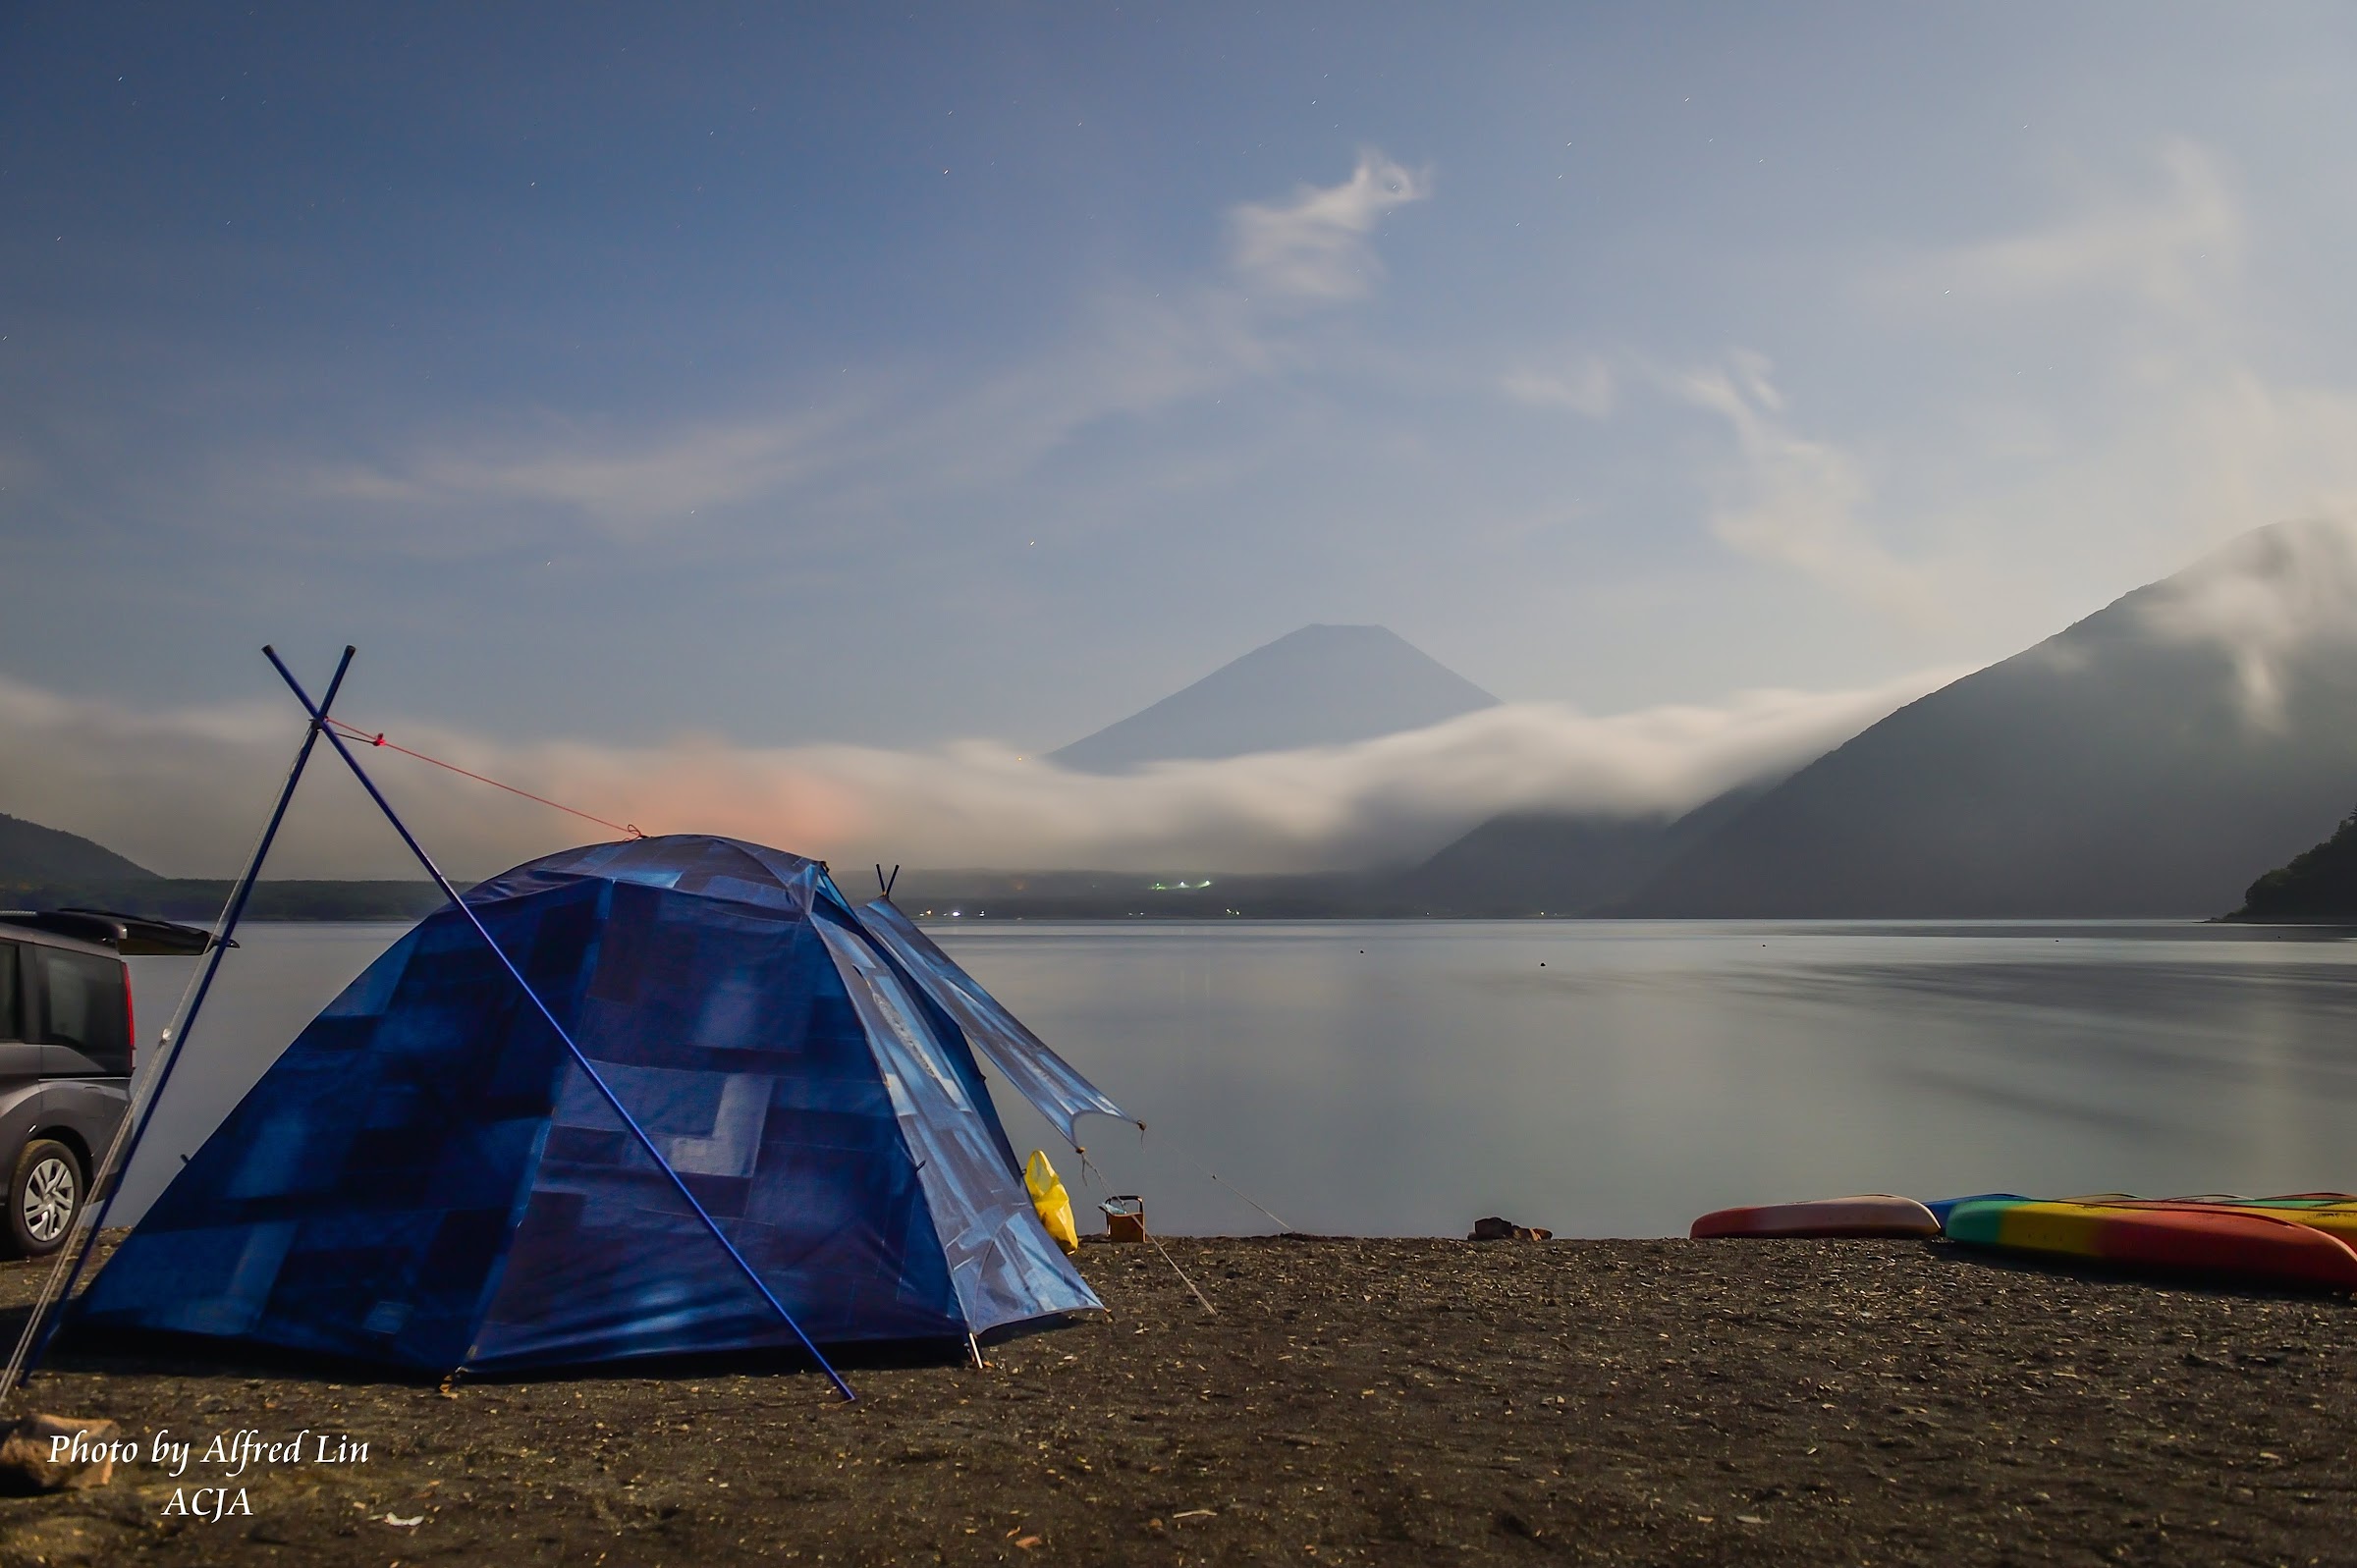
<point>44,1194</point>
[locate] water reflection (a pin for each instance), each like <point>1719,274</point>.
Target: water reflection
<point>1599,1078</point>
<point>1649,1073</point>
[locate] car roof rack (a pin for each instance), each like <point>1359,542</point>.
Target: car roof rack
<point>133,936</point>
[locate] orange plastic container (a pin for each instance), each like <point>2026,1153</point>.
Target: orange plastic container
<point>1125,1219</point>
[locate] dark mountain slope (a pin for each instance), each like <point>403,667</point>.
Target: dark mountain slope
<point>2140,763</point>
<point>31,854</point>
<point>47,868</point>
<point>1561,863</point>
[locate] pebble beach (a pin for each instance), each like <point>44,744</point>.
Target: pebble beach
<point>1345,1400</point>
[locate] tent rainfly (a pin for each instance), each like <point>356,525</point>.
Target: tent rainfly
<point>426,1178</point>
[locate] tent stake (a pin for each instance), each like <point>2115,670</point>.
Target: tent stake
<point>318,715</point>
<point>117,1159</point>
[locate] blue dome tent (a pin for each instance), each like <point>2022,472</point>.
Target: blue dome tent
<point>429,1178</point>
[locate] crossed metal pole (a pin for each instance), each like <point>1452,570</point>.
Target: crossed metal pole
<point>319,726</point>
<point>41,1326</point>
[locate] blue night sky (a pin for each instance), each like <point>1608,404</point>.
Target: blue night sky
<point>809,374</point>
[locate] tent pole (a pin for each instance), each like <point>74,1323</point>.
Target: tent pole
<point>120,1150</point>
<point>318,715</point>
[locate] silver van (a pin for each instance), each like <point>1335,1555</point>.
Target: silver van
<point>67,1053</point>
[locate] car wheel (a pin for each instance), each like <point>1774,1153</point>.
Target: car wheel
<point>43,1197</point>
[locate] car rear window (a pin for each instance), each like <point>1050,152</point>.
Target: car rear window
<point>86,1009</point>
<point>10,1027</point>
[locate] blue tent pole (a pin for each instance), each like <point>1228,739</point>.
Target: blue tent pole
<point>111,1179</point>
<point>319,718</point>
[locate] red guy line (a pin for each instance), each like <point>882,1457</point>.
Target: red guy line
<point>376,738</point>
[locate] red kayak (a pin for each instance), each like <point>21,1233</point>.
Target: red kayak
<point>1876,1213</point>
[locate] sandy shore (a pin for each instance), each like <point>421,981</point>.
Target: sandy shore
<point>1352,1401</point>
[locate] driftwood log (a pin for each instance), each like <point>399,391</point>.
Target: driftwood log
<point>1491,1228</point>
<point>56,1453</point>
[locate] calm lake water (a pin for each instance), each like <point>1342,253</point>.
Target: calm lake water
<point>1599,1078</point>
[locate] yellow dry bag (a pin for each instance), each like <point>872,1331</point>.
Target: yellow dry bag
<point>1053,1203</point>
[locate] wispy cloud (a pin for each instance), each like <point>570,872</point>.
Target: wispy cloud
<point>2190,435</point>
<point>1317,247</point>
<point>1127,353</point>
<point>2187,442</point>
<point>184,791</point>
<point>2265,598</point>
<point>2170,246</point>
<point>1797,501</point>
<point>626,485</point>
<point>2190,442</point>
<point>1585,386</point>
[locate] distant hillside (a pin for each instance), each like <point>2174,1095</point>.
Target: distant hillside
<point>201,899</point>
<point>30,854</point>
<point>1515,865</point>
<point>1318,686</point>
<point>1131,896</point>
<point>1561,863</point>
<point>2318,884</point>
<point>1544,863</point>
<point>43,868</point>
<point>2140,763</point>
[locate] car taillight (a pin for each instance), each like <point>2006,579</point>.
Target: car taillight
<point>130,1028</point>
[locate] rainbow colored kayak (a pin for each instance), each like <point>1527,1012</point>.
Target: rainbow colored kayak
<point>1942,1207</point>
<point>1876,1213</point>
<point>2230,1244</point>
<point>2333,1212</point>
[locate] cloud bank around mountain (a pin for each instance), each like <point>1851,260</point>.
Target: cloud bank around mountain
<point>2265,598</point>
<point>185,791</point>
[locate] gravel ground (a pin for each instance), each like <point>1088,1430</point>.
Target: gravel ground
<point>1350,1401</point>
